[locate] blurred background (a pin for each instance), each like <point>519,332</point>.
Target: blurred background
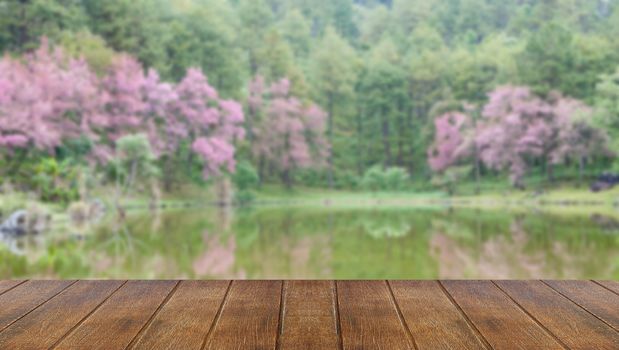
<point>309,139</point>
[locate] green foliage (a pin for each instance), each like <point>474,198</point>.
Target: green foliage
<point>22,23</point>
<point>607,104</point>
<point>92,48</point>
<point>245,179</point>
<point>56,181</point>
<point>12,264</point>
<point>135,161</point>
<point>548,60</point>
<point>391,179</point>
<point>201,38</point>
<point>379,68</point>
<point>133,26</point>
<point>450,177</point>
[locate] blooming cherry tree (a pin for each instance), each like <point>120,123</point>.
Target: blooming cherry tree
<point>517,125</point>
<point>448,140</point>
<point>48,98</point>
<point>287,134</point>
<point>45,99</point>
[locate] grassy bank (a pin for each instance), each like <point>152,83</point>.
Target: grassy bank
<point>564,198</point>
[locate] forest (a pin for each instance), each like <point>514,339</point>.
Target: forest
<point>389,95</point>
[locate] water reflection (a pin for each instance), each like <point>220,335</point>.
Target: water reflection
<point>320,243</point>
<point>218,259</point>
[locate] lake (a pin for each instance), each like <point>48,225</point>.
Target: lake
<point>324,243</point>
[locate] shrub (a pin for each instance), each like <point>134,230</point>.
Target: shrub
<point>378,179</point>
<point>245,179</point>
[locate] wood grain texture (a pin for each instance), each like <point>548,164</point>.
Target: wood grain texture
<point>594,298</point>
<point>575,327</point>
<point>41,328</point>
<point>249,318</point>
<point>502,323</point>
<point>309,317</point>
<point>369,318</point>
<point>434,321</point>
<point>6,285</point>
<point>120,318</point>
<point>185,320</point>
<point>611,285</point>
<point>24,298</point>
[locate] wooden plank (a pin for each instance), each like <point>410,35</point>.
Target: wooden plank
<point>184,321</point>
<point>41,328</point>
<point>120,318</point>
<point>6,285</point>
<point>24,298</point>
<point>575,327</point>
<point>611,285</point>
<point>249,318</point>
<point>500,321</point>
<point>309,316</point>
<point>369,318</point>
<point>594,298</point>
<point>434,321</point>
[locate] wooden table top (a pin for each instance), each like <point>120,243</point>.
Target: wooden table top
<point>87,314</point>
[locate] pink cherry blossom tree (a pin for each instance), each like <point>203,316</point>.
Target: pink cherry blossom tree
<point>287,134</point>
<point>449,140</point>
<point>515,124</point>
<point>190,111</point>
<point>212,123</point>
<point>46,98</point>
<point>518,126</point>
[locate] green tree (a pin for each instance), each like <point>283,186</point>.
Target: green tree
<point>256,19</point>
<point>203,39</point>
<point>333,75</point>
<point>245,180</point>
<point>138,27</point>
<point>23,22</point>
<point>296,30</point>
<point>427,66</point>
<point>607,105</point>
<point>385,89</point>
<point>135,159</point>
<point>547,62</point>
<point>89,46</point>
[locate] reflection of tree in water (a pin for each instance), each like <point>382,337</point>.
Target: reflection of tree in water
<point>284,244</point>
<point>502,256</point>
<point>218,260</point>
<point>385,226</point>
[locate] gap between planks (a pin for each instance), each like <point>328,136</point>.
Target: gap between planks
<point>581,306</point>
<point>37,306</point>
<point>217,317</point>
<point>411,338</point>
<point>336,310</point>
<point>541,325</point>
<point>468,320</point>
<point>152,317</point>
<point>80,322</point>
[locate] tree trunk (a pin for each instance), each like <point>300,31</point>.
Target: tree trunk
<point>330,139</point>
<point>286,178</point>
<point>359,142</point>
<point>132,175</point>
<point>260,171</point>
<point>386,143</point>
<point>167,174</point>
<point>550,171</point>
<point>401,135</point>
<point>22,33</point>
<point>581,168</point>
